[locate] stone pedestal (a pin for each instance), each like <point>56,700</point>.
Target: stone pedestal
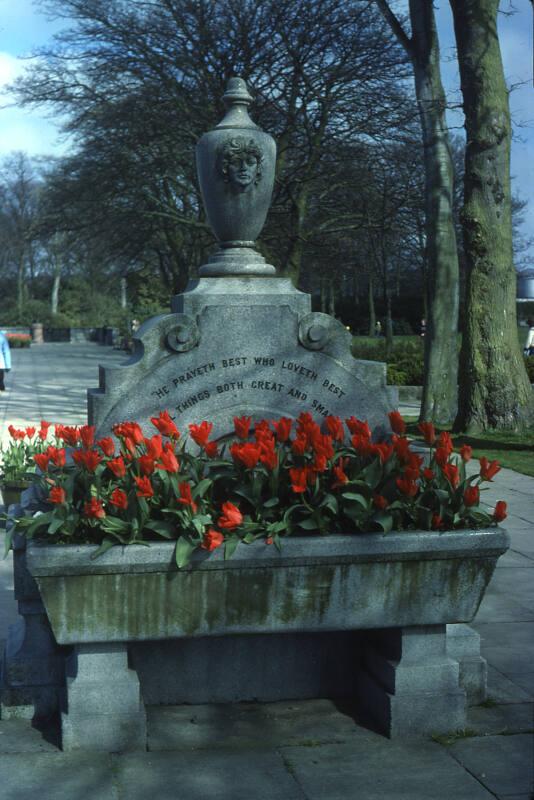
<point>32,684</point>
<point>104,709</point>
<point>463,644</point>
<point>409,685</point>
<point>37,333</point>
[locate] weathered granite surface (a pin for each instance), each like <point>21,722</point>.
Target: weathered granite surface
<point>264,360</point>
<point>338,582</point>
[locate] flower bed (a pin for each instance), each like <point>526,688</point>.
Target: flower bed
<point>277,479</point>
<point>17,462</point>
<point>18,340</point>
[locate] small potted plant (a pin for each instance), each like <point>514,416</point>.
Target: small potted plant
<point>17,464</point>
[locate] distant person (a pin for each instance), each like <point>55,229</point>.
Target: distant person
<point>135,325</point>
<point>5,359</point>
<point>529,344</point>
<point>378,328</point>
<point>423,326</point>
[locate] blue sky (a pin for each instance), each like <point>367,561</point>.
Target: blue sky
<point>22,28</point>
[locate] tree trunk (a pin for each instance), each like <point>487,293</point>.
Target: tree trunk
<point>323,296</point>
<point>21,290</point>
<point>372,312</point>
<point>331,298</point>
<point>494,389</point>
<point>441,358</point>
<point>389,329</point>
<point>55,292</point>
<point>124,297</point>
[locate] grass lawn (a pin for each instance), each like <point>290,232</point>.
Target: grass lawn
<point>510,450</point>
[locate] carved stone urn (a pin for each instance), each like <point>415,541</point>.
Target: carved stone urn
<point>235,165</point>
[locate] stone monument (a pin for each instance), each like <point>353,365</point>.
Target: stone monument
<point>243,341</point>
<point>240,340</point>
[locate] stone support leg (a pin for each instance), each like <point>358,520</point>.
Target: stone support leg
<point>409,684</point>
<point>104,707</point>
<point>32,681</point>
<point>463,644</point>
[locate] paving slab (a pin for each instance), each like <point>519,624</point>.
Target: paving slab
<point>371,768</point>
<point>58,776</point>
<point>515,558</point>
<point>523,679</point>
<point>506,689</point>
<point>504,764</point>
<point>249,725</point>
<point>528,796</point>
<point>205,775</point>
<point>506,719</point>
<point>20,736</point>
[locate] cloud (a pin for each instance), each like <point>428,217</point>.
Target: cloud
<point>10,68</point>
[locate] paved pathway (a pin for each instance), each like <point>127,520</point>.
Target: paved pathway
<point>311,750</point>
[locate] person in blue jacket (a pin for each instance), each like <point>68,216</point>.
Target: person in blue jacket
<point>5,359</point>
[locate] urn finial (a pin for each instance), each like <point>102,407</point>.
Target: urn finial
<point>235,164</point>
<point>236,99</point>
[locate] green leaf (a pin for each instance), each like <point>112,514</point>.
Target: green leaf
<point>373,473</point>
<point>115,524</point>
<point>248,538</point>
<point>363,501</point>
<point>41,520</point>
<point>55,525</point>
<point>105,545</point>
<point>384,520</point>
<point>276,527</point>
<point>162,527</point>
<point>201,488</point>
<point>230,546</point>
<point>330,502</point>
<point>273,501</point>
<point>277,542</point>
<point>309,524</point>
<point>245,492</point>
<point>183,552</point>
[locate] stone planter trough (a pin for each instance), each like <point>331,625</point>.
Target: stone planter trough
<point>404,587</point>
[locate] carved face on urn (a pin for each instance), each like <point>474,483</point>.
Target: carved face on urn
<point>240,163</point>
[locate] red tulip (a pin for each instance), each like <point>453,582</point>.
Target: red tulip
<point>57,495</point>
<point>94,509</point>
<point>334,426</point>
<point>117,466</point>
<point>42,459</point>
<point>283,428</point>
<point>144,487</point>
<point>471,496</point>
<point>186,498</point>
<point>119,498</point>
<point>230,518</point>
<point>397,423</point>
<point>428,431</point>
<point>488,470</point>
<point>242,426</point>
<point>452,474</point>
<point>466,452</point>
<point>87,435</point>
<point>165,425</point>
<point>201,433</point>
<point>358,428</point>
<point>107,445</point>
<point>212,539</point>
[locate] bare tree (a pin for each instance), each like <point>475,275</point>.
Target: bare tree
<point>495,392</point>
<point>441,360</point>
